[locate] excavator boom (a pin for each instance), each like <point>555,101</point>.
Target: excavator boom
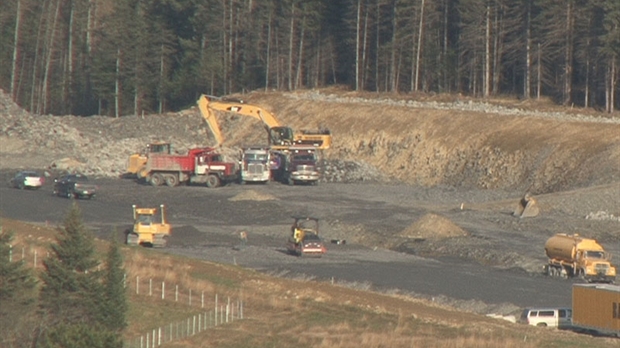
<point>280,136</point>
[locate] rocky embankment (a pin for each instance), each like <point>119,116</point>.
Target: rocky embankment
<point>461,143</point>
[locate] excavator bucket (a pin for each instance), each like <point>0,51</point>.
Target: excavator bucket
<point>527,207</point>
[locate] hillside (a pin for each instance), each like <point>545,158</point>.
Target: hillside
<point>428,141</point>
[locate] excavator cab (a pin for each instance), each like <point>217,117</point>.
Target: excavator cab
<point>149,229</point>
<point>281,136</point>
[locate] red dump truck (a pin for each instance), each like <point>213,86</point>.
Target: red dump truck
<point>596,308</point>
<point>200,166</point>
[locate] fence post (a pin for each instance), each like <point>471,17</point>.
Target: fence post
<point>163,290</point>
<point>199,322</point>
<point>187,328</point>
<point>147,341</point>
<point>150,286</point>
<point>227,309</point>
<point>35,260</point>
<point>159,336</point>
<point>193,325</point>
<point>137,285</point>
<point>202,300</point>
<point>176,293</point>
<point>215,310</point>
<point>190,297</point>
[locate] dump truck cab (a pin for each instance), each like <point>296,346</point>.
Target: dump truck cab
<point>150,227</point>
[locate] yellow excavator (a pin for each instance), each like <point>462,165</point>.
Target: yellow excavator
<point>280,137</point>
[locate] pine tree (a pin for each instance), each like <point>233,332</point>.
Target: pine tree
<point>79,335</point>
<point>70,283</point>
<point>17,295</point>
<point>113,308</point>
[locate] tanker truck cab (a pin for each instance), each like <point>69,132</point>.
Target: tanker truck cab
<point>576,256</point>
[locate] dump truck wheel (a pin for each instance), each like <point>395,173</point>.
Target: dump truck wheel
<point>213,181</point>
<point>172,180</point>
<point>157,179</point>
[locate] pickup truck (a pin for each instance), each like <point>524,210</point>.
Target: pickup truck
<point>74,186</point>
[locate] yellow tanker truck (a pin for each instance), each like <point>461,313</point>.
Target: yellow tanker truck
<point>575,256</point>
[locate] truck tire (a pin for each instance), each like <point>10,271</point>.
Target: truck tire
<point>213,181</point>
<point>157,179</point>
<point>172,180</point>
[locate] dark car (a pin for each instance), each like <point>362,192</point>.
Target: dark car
<point>74,186</point>
<point>27,179</point>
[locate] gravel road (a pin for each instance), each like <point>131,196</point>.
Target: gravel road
<point>498,270</point>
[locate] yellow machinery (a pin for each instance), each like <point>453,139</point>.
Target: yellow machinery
<point>527,207</point>
<point>575,256</point>
<point>280,137</point>
<point>136,165</point>
<point>147,230</point>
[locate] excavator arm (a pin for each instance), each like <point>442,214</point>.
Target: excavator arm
<point>278,134</point>
<point>280,137</point>
<point>207,113</point>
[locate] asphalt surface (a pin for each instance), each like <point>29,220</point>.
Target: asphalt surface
<point>206,223</point>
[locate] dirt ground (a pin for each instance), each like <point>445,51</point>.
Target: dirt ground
<point>414,175</point>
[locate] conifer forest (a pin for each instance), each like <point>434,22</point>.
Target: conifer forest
<point>124,57</point>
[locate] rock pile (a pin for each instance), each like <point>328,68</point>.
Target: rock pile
<point>100,145</point>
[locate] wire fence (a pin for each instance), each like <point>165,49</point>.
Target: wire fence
<point>193,325</point>
<point>218,314</point>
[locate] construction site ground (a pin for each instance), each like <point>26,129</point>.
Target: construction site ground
<point>418,191</point>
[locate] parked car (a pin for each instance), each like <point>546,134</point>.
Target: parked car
<point>74,186</point>
<point>547,317</point>
<point>27,179</point>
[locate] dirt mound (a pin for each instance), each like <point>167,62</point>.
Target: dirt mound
<point>251,195</point>
<point>433,226</point>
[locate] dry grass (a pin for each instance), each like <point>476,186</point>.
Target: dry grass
<point>305,313</point>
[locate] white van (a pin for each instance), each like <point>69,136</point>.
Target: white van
<point>548,317</point>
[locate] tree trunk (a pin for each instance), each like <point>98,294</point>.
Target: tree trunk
<point>117,84</point>
<point>290,49</point>
<point>268,53</point>
<point>48,59</point>
<point>528,53</point>
<point>358,24</point>
<point>487,53</point>
<point>419,49</point>
<point>298,68</point>
<point>16,43</point>
<point>568,54</point>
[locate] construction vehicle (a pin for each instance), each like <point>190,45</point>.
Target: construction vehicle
<point>298,165</point>
<point>304,239</point>
<point>200,166</point>
<point>575,256</point>
<point>255,165</point>
<point>136,165</point>
<point>527,207</point>
<point>147,231</point>
<point>279,136</point>
<point>596,309</point>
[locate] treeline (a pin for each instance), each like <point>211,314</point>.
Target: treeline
<point>77,301</point>
<point>117,57</point>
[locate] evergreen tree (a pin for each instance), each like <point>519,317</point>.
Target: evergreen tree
<point>79,335</point>
<point>17,287</point>
<point>70,283</point>
<point>113,308</point>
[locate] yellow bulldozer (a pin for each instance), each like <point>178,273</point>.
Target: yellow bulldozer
<point>148,229</point>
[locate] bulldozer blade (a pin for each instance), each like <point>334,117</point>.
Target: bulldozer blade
<point>527,207</point>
